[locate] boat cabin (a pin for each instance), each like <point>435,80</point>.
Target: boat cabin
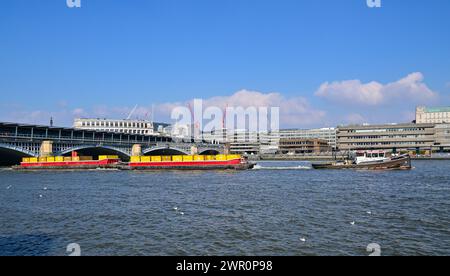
<point>370,156</point>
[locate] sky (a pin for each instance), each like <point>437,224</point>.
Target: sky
<point>323,62</point>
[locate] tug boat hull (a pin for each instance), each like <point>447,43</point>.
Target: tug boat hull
<point>397,163</point>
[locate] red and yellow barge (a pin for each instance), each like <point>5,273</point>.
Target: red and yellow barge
<point>178,162</point>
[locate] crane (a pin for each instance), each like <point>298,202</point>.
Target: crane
<point>132,111</point>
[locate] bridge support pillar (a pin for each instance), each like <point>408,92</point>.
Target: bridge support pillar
<point>46,149</point>
<point>136,150</point>
<point>226,148</point>
<point>194,150</point>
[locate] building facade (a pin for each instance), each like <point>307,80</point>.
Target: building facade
<point>434,115</point>
<point>391,137</point>
<point>327,134</point>
<point>442,137</point>
<point>244,141</point>
<point>116,126</point>
<point>303,146</point>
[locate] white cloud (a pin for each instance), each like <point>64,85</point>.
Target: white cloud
<point>355,118</point>
<point>294,111</point>
<point>410,88</point>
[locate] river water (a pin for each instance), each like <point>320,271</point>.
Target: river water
<point>281,208</point>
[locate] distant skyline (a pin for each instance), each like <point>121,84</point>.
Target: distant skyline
<point>322,62</point>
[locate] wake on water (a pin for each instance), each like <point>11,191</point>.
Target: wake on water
<point>259,167</point>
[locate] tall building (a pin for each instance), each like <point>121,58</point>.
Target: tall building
<point>117,126</point>
<point>432,115</point>
<point>391,137</point>
<point>327,134</point>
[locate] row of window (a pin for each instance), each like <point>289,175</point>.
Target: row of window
<point>385,144</point>
<point>438,115</point>
<point>127,131</point>
<point>386,137</point>
<point>115,124</point>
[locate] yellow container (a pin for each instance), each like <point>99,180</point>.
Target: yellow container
<point>166,158</point>
<point>76,159</point>
<point>33,160</point>
<point>177,158</point>
<point>59,159</point>
<point>42,159</point>
<point>156,158</point>
<point>188,158</point>
<point>221,157</point>
<point>67,159</point>
<point>135,159</point>
<point>210,157</point>
<point>102,157</point>
<point>233,157</point>
<point>199,158</point>
<point>86,158</point>
<point>146,159</point>
<point>51,159</point>
<point>26,160</point>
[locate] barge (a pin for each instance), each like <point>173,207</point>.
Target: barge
<point>181,162</point>
<point>69,163</point>
<point>189,162</point>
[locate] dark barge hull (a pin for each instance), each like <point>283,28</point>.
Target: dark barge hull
<point>398,163</point>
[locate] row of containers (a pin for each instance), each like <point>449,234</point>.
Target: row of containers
<point>53,159</point>
<point>184,158</point>
<point>134,159</point>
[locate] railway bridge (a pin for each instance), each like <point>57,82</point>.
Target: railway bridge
<point>23,140</point>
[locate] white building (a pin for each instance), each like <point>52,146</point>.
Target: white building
<point>244,141</point>
<point>433,115</point>
<point>327,134</point>
<point>117,126</point>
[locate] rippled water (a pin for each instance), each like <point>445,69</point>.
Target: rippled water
<point>258,212</point>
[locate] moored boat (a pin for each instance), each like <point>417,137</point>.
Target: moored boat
<point>189,162</point>
<point>182,162</point>
<point>68,163</point>
<point>370,160</point>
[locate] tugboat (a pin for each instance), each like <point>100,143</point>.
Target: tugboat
<point>369,160</point>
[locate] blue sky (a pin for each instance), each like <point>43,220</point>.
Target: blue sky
<point>324,62</point>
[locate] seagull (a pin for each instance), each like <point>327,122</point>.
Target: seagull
<point>369,213</point>
<point>40,196</point>
<point>9,187</point>
<point>182,213</point>
<point>303,240</point>
<point>175,208</point>
<point>45,188</point>
<point>352,223</point>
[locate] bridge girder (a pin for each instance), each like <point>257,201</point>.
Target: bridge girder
<point>86,147</point>
<point>19,150</point>
<point>153,149</point>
